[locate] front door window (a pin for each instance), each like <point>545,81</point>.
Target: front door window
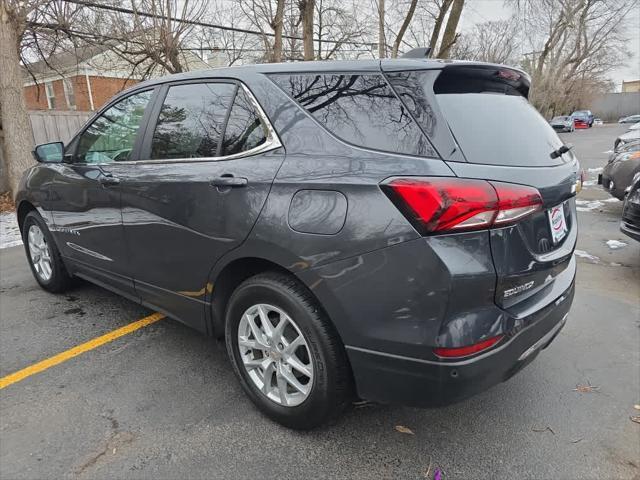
<point>110,138</point>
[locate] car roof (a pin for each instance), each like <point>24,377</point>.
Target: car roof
<point>368,65</point>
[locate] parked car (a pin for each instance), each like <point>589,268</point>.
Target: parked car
<point>632,146</point>
<point>630,224</point>
<point>619,172</point>
<point>627,137</point>
<point>562,124</point>
<point>414,256</point>
<point>630,119</point>
<point>582,117</point>
<point>598,121</point>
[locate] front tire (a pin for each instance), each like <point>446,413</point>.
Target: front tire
<point>43,255</point>
<point>286,353</point>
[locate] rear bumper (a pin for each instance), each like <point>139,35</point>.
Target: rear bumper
<point>389,378</point>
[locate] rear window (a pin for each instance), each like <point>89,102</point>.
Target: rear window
<point>488,114</point>
<point>492,120</point>
<point>359,109</point>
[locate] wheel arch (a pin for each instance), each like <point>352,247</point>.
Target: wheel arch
<point>225,278</point>
<point>24,207</point>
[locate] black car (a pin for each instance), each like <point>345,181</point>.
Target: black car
<point>347,227</point>
<point>630,224</point>
<point>617,175</point>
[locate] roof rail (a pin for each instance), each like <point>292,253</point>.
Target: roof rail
<point>422,52</point>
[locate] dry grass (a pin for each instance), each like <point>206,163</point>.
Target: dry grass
<point>6,202</point>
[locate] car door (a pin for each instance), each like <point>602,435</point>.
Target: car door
<point>196,190</point>
<point>85,198</point>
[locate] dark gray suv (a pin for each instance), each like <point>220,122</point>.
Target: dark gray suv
<point>396,230</point>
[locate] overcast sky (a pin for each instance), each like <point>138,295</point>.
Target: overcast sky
<point>476,11</point>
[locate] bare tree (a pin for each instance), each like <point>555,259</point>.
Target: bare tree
<point>496,41</point>
<point>450,35</point>
<point>307,10</point>
<point>267,17</point>
<point>13,110</point>
<point>155,35</point>
<point>382,42</point>
<point>338,22</point>
<point>443,8</point>
<point>227,47</point>
<point>574,45</point>
<point>403,28</point>
<point>25,32</point>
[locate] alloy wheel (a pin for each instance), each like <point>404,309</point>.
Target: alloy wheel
<point>275,354</point>
<point>39,253</point>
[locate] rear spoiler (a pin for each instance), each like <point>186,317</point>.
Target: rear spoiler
<point>422,52</point>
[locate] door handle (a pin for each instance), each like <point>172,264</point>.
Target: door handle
<point>107,179</point>
<point>229,181</point>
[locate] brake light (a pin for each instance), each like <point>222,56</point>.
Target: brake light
<point>442,204</point>
<point>468,350</point>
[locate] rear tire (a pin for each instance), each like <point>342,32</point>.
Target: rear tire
<point>300,389</point>
<point>43,255</point>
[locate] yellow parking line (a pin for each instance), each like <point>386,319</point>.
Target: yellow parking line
<point>80,349</point>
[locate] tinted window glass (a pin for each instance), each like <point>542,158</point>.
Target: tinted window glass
<point>488,113</point>
<point>415,90</point>
<point>244,129</point>
<point>112,135</point>
<point>191,121</point>
<point>511,132</point>
<point>360,109</point>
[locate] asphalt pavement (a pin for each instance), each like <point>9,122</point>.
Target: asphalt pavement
<point>162,402</point>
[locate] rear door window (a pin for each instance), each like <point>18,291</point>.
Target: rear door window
<point>245,131</point>
<point>191,120</point>
<point>359,109</point>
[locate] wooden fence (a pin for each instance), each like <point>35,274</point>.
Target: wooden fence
<point>54,125</point>
<point>46,126</point>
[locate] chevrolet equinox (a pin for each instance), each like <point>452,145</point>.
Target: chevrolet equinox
<point>400,231</point>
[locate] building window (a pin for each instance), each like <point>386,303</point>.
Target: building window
<point>51,97</point>
<point>69,93</point>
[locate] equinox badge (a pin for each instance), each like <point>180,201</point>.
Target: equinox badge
<point>518,289</point>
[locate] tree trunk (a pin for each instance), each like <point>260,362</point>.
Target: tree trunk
<point>382,44</point>
<point>307,9</point>
<point>403,28</point>
<point>449,37</point>
<point>13,110</point>
<point>278,23</point>
<point>438,26</point>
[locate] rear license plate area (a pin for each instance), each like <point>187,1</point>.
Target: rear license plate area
<point>557,223</point>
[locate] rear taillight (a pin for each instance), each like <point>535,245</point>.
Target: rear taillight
<point>443,204</point>
<point>459,352</point>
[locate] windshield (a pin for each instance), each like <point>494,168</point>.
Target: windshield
<point>560,119</point>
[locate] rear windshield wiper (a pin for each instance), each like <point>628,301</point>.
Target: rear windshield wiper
<point>560,151</point>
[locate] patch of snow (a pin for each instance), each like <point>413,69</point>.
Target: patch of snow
<point>588,205</point>
<point>615,264</point>
<point>612,200</point>
<point>589,183</point>
<point>616,244</point>
<point>608,151</point>
<point>9,231</point>
<point>594,170</point>
<point>588,256</point>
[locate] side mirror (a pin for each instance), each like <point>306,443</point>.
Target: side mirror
<point>49,152</point>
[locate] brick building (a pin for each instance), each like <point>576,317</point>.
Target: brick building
<point>83,80</point>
